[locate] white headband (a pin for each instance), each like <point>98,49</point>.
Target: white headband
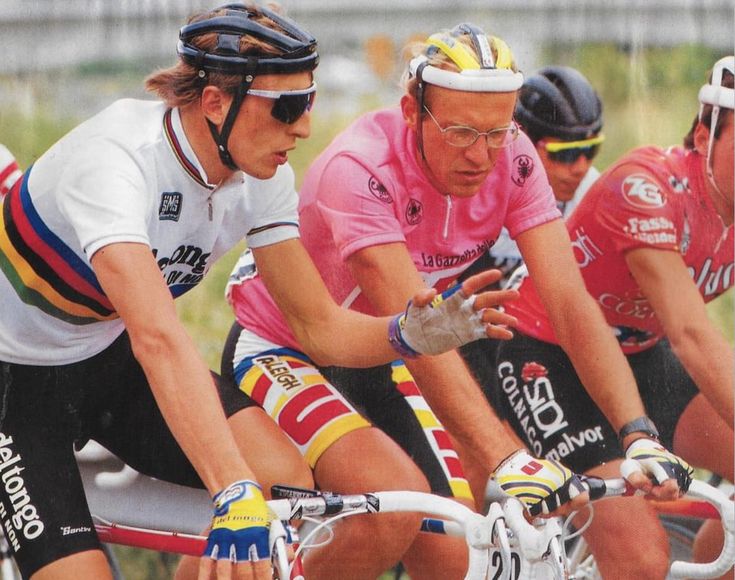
<point>471,80</point>
<point>715,94</point>
<point>718,97</point>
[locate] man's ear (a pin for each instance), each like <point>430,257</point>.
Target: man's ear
<point>701,138</point>
<point>409,107</point>
<point>543,154</point>
<point>215,103</point>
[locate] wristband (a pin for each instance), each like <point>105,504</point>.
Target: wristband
<point>396,338</point>
<point>639,425</point>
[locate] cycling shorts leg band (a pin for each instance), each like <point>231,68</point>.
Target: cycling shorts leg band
<point>389,397</point>
<point>299,399</point>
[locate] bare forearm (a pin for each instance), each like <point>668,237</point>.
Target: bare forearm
<point>333,340</point>
<point>709,360</point>
<point>187,397</point>
<point>460,405</point>
<point>600,364</point>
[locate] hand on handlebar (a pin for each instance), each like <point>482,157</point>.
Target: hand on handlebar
<point>433,324</point>
<point>542,485</point>
<point>648,462</point>
<point>240,532</point>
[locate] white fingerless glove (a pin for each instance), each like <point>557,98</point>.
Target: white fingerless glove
<point>448,322</point>
<point>648,456</point>
<point>541,484</point>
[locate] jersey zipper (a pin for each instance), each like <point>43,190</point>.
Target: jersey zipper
<point>209,205</point>
<point>445,231</point>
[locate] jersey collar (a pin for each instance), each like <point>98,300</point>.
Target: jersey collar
<point>181,148</point>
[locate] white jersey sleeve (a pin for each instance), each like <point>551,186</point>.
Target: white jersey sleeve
<point>278,218</point>
<point>104,198</point>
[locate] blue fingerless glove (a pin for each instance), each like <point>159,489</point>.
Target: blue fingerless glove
<point>240,524</point>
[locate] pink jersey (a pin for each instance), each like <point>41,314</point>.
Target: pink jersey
<point>367,188</point>
<point>652,198</point>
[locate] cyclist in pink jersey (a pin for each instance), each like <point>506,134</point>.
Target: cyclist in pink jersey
<point>407,198</point>
<point>653,238</point>
<point>444,234</point>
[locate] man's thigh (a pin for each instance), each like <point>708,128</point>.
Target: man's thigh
<point>43,508</point>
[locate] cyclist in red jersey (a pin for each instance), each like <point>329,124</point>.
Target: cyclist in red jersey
<point>653,238</point>
<point>9,171</point>
<point>561,113</point>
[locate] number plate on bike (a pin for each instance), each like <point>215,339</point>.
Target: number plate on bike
<point>498,569</point>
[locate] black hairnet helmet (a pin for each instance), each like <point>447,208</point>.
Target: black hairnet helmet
<point>297,49</point>
<point>558,101</point>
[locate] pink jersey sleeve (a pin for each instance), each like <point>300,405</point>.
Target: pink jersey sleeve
<point>533,203</point>
<point>353,203</point>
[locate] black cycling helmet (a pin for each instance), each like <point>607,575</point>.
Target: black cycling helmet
<point>558,101</point>
<point>296,46</point>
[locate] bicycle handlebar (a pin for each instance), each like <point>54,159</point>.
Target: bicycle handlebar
<point>726,559</point>
<point>503,528</point>
<point>475,528</point>
<point>725,508</point>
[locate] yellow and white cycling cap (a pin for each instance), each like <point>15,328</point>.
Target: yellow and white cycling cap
<point>489,74</point>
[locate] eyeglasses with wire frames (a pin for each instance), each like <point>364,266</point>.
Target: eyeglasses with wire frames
<point>462,136</point>
<point>288,106</point>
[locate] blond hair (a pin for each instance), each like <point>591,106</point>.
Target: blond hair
<point>182,84</point>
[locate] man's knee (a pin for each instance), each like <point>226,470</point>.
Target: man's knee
<point>628,540</point>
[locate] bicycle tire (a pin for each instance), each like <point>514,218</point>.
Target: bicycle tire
<point>681,532</point>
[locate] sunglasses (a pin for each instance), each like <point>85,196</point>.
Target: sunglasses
<point>288,106</point>
<point>570,151</point>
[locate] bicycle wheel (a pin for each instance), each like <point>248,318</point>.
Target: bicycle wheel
<point>681,532</point>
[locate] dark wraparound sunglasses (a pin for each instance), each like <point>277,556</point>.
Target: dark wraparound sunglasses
<point>288,106</point>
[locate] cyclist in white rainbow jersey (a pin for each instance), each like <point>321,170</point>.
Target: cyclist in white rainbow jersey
<point>125,213</point>
<point>653,238</point>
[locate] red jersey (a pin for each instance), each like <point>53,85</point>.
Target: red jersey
<point>651,198</point>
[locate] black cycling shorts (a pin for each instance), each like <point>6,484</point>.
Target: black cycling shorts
<point>481,358</point>
<point>549,408</point>
<point>44,412</point>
